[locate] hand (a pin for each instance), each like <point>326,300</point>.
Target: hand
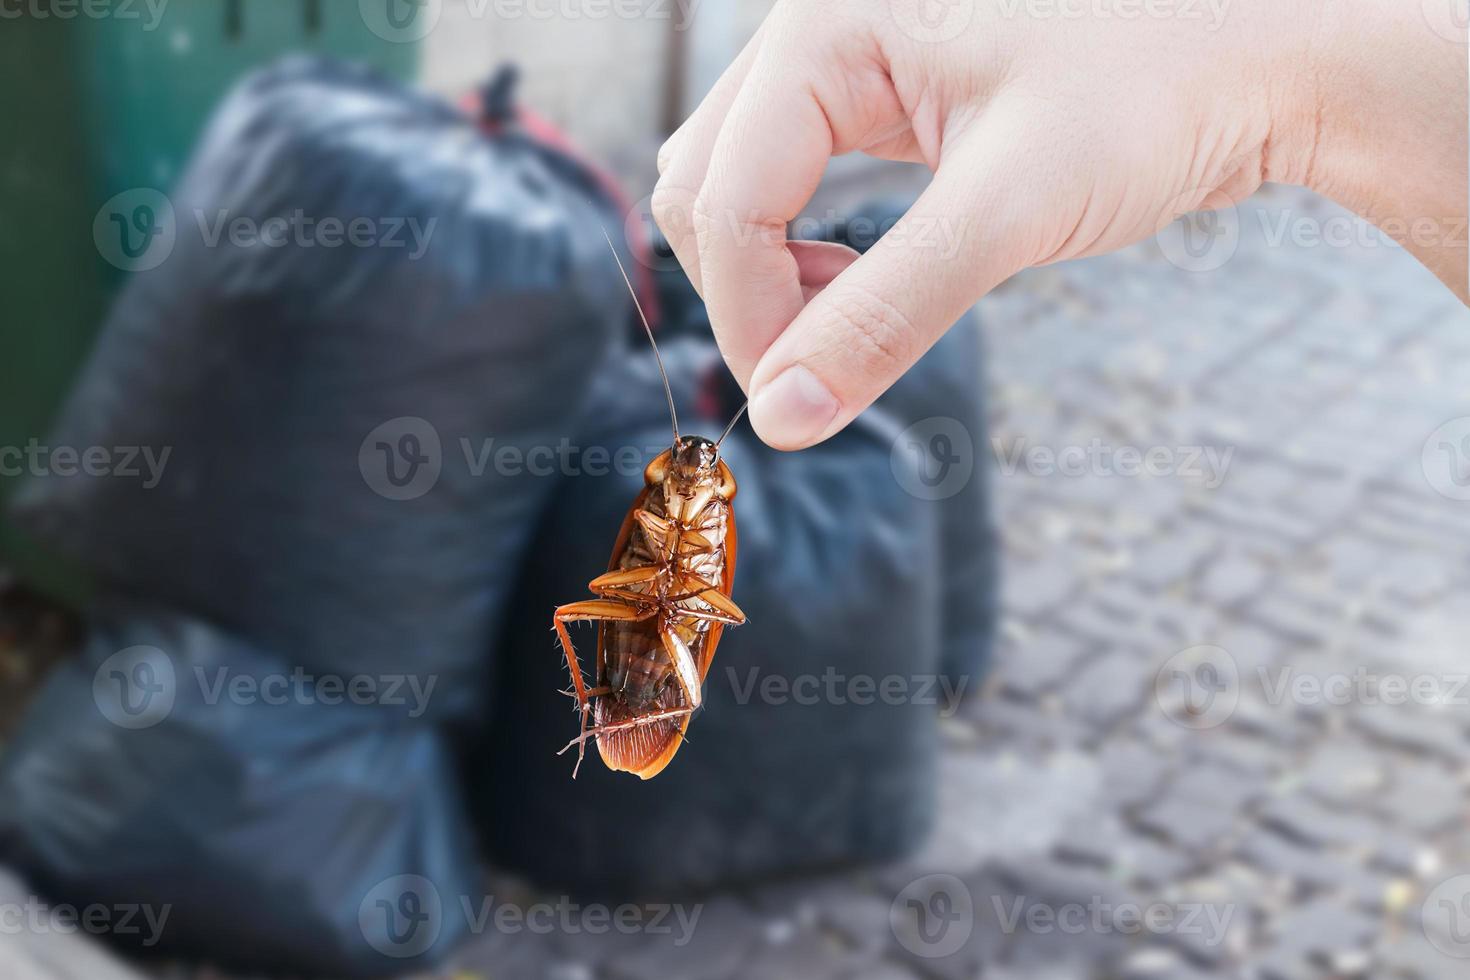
<point>1049,137</point>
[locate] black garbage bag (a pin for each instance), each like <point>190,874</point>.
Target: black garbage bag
<point>272,824</point>
<point>817,743</point>
<point>361,303</point>
<point>940,403</point>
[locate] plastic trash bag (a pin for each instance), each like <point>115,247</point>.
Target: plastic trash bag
<point>312,419</point>
<point>271,826</point>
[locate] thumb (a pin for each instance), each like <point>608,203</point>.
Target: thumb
<point>855,338</point>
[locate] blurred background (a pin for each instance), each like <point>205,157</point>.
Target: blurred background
<point>1123,639</point>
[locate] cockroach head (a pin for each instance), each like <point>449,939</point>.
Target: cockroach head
<point>696,454</point>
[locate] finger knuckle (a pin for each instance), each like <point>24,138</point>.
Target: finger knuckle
<point>666,155</point>
<point>885,337</point>
<point>748,229</point>
<point>671,206</point>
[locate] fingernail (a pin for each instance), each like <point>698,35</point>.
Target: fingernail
<point>793,410</point>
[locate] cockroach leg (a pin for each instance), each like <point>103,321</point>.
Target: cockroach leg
<point>623,726</point>
<point>595,692</point>
<point>624,576</point>
<point>694,543</point>
<point>698,588</point>
<point>686,670</point>
<point>710,617</point>
<point>657,527</point>
<point>724,604</point>
<point>585,611</point>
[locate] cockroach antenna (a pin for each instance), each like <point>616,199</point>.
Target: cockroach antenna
<point>669,392</point>
<point>729,428</point>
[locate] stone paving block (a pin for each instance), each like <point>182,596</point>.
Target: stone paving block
<point>1410,955</point>
<point>1252,757</point>
<point>1197,827</point>
<point>1255,651</point>
<point>1215,786</point>
<point>1313,936</point>
<point>1040,662</point>
<point>999,806</point>
<point>1030,590</point>
<point>1276,856</point>
<point>806,955</point>
<point>1295,620</point>
<point>725,936</point>
<point>859,918</point>
<point>1133,771</point>
<point>984,945</point>
<point>1089,619</point>
<point>1105,843</point>
<point>1404,856</point>
<point>1027,728</point>
<point>1213,918</point>
<point>1173,557</point>
<point>1421,579</point>
<point>1344,773</point>
<point>1056,913</point>
<point>1157,963</point>
<point>1106,690</point>
<point>1232,579</point>
<point>1264,527</point>
<point>1286,725</point>
<point>1310,823</point>
<point>883,971</point>
<point>1424,799</point>
<point>1416,730</point>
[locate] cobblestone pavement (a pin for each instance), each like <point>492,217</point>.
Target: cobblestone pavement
<point>1227,735</point>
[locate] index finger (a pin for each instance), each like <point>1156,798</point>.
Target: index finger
<point>766,164</point>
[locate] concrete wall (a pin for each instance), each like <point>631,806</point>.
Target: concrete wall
<point>598,68</point>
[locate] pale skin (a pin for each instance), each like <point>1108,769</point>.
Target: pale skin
<point>1050,137</point>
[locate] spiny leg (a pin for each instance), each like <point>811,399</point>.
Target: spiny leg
<point>709,617</point>
<point>615,585</point>
<point>623,577</point>
<point>623,726</point>
<point>697,588</point>
<point>724,604</point>
<point>589,610</point>
<point>686,672</point>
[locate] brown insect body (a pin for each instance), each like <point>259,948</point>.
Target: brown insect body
<point>661,607</point>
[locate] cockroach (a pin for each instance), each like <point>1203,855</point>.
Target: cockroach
<point>663,602</point>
